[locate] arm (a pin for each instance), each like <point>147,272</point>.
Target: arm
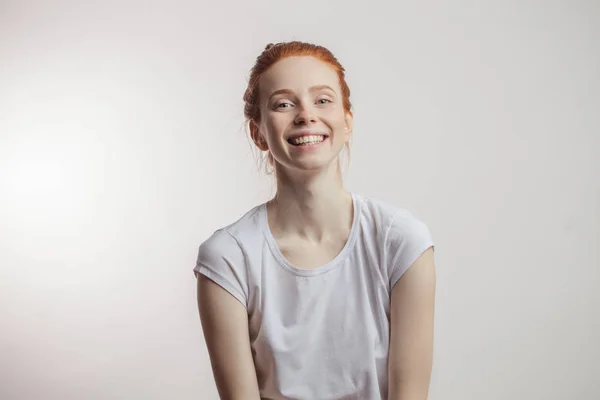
<point>225,325</point>
<point>411,337</point>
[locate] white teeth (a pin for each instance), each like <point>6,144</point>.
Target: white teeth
<point>310,139</point>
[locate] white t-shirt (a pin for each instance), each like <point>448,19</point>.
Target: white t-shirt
<point>321,333</point>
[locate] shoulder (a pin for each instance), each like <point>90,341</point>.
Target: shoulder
<point>392,221</point>
<point>401,234</point>
<point>406,227</point>
<point>229,240</point>
<point>217,245</point>
<point>376,214</point>
<point>223,256</point>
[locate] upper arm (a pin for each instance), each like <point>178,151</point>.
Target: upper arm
<point>225,325</point>
<point>411,336</point>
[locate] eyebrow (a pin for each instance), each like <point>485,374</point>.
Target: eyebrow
<point>311,89</point>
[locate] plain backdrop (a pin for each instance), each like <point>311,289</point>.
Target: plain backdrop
<point>122,148</point>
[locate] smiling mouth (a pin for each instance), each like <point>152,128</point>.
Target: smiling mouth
<point>307,140</point>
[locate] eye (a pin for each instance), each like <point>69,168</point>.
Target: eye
<point>323,101</point>
<point>282,105</point>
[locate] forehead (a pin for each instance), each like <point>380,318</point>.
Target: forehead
<point>298,74</point>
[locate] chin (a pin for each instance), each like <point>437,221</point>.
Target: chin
<point>314,165</point>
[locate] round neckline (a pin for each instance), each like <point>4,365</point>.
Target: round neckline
<point>322,268</point>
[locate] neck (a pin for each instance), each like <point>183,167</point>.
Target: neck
<point>314,207</point>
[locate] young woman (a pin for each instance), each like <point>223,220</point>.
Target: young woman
<point>318,293</point>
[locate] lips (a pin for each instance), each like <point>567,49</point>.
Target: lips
<point>306,133</point>
<point>310,140</point>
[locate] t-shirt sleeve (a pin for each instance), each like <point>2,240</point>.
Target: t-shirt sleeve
<point>407,238</point>
<point>221,259</point>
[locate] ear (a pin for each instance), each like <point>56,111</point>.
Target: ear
<point>349,125</point>
<point>257,137</point>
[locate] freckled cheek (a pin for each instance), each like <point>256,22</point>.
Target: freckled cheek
<point>338,124</point>
<point>335,117</point>
<point>280,123</point>
<point>276,126</point>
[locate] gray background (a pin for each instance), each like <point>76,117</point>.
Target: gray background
<point>122,148</point>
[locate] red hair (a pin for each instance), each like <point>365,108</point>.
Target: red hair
<point>278,51</point>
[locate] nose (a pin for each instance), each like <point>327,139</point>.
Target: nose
<point>305,115</point>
